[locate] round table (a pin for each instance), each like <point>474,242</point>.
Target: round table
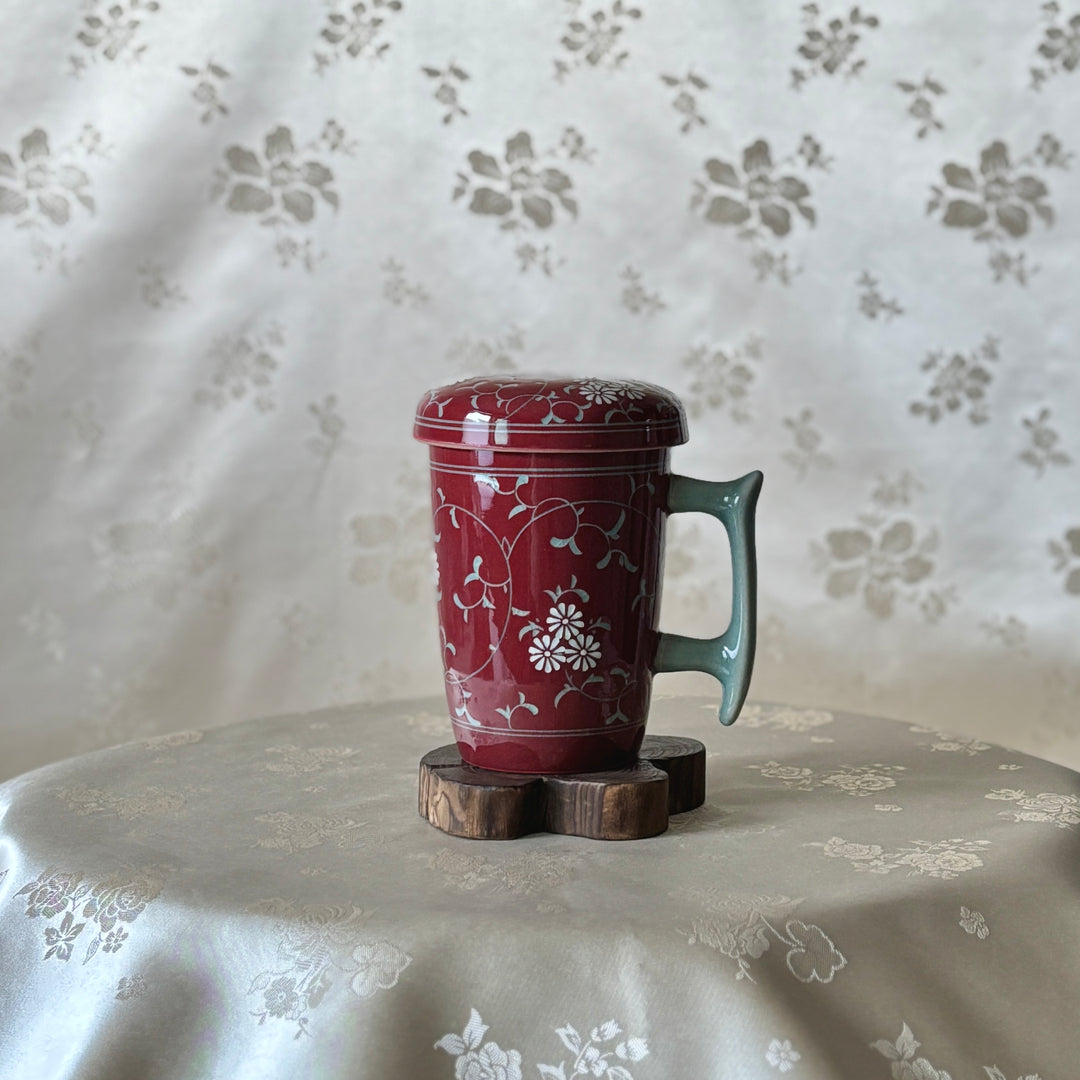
<point>857,898</point>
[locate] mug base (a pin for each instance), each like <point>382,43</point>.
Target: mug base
<point>561,755</point>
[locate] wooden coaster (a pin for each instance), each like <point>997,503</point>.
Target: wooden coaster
<point>625,804</point>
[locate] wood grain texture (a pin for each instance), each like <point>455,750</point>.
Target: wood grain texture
<point>624,804</point>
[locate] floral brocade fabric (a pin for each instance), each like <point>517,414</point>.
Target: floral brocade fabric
<point>263,900</point>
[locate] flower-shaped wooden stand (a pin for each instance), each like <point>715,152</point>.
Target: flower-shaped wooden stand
<point>625,804</point>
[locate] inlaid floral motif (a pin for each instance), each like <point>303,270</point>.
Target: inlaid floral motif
<point>944,742</point>
<point>318,944</point>
<point>859,780</point>
<point>723,378</point>
<point>973,922</point>
<point>685,103</point>
<point>872,303</point>
<point>999,202</point>
<point>600,1055</point>
<point>759,200</point>
<point>110,31</point>
<point>921,103</point>
<point>595,40</point>
<point>829,46</point>
<point>449,80</point>
<point>960,382</point>
<point>1066,556</point>
<point>522,188</point>
<point>353,30</point>
<point>884,558</point>
<point>933,858</point>
<point>1043,450</point>
<point>107,906</point>
<point>206,92</point>
<point>906,1066</point>
<point>278,188</point>
<point>245,367</point>
<point>741,927</point>
<point>635,297</point>
<point>1059,50</point>
<point>1060,810</point>
<point>42,189</point>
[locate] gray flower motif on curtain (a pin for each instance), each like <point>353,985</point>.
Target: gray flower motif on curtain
<point>206,92</point>
<point>110,30</point>
<point>245,365</point>
<point>446,92</point>
<point>921,105</point>
<point>595,40</point>
<point>723,378</point>
<point>872,302</point>
<point>521,189</point>
<point>884,558</point>
<point>759,199</point>
<point>279,189</point>
<point>1066,556</point>
<point>998,203</point>
<point>353,30</point>
<point>807,452</point>
<point>686,100</point>
<point>1059,50</point>
<point>829,48</point>
<point>40,188</point>
<point>1043,450</point>
<point>960,381</point>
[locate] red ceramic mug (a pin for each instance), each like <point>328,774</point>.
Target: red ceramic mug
<point>549,497</point>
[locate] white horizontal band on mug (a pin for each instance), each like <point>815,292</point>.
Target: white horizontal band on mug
<point>554,428</point>
<point>533,733</point>
<point>608,470</point>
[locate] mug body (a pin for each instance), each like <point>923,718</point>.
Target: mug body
<point>548,585</point>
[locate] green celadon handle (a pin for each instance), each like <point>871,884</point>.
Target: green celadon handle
<point>729,657</point>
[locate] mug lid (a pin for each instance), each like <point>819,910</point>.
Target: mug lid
<point>554,413</point>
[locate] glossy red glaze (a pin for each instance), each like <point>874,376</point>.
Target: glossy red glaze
<point>549,567</point>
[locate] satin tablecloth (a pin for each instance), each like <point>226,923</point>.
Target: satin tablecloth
<point>858,898</point>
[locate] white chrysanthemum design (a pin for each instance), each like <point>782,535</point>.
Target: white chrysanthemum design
<point>565,620</point>
<point>581,652</point>
<point>599,392</point>
<point>545,654</point>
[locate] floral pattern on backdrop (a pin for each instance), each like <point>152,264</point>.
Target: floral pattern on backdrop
<point>234,251</point>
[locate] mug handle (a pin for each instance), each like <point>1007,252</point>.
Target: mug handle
<point>729,657</point>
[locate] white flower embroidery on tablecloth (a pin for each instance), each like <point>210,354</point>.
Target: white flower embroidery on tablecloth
<point>296,759</point>
<point>938,859</point>
<point>783,719</point>
<point>298,832</point>
<point>106,906</point>
<point>782,1055</point>
<point>520,874</point>
<point>739,927</point>
<point>906,1066</point>
<point>973,922</point>
<point>315,941</point>
<point>858,780</point>
<point>1060,810</point>
<point>130,986</point>
<point>601,1055</point>
<point>945,742</point>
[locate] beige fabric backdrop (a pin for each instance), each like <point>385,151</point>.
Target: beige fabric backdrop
<point>237,242</point>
